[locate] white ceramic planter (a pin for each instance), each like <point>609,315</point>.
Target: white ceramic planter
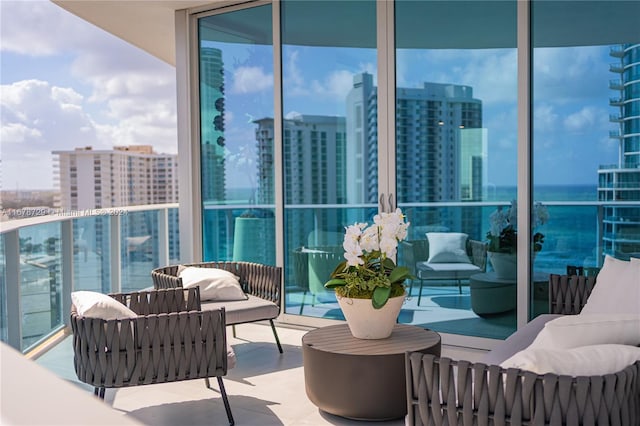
<point>505,265</point>
<point>365,322</point>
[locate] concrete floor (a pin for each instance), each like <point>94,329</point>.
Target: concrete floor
<point>265,388</point>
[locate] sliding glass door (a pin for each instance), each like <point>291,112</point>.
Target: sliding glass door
<point>235,53</point>
<point>456,157</point>
<point>329,141</point>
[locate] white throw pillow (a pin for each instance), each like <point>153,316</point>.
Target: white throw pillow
<point>593,360</point>
<point>571,331</point>
<point>91,304</point>
<point>617,288</point>
<point>215,284</point>
<point>447,247</point>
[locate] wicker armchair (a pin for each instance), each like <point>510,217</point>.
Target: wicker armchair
<point>170,340</point>
<point>441,391</point>
<point>416,252</point>
<point>260,282</point>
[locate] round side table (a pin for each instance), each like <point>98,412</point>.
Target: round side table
<point>361,379</point>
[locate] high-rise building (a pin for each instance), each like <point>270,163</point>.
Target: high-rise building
<point>212,142</point>
<point>124,176</point>
<point>431,123</point>
<point>618,184</point>
<point>441,148</point>
<point>314,156</point>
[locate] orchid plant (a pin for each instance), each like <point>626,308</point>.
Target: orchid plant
<point>369,271</point>
<point>503,234</point>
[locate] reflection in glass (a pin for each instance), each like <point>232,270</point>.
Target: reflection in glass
<point>41,281</point>
<point>456,155</point>
<point>139,249</point>
<point>585,116</point>
<point>236,99</point>
<point>329,144</point>
<point>92,254</point>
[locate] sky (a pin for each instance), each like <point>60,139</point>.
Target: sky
<point>66,84</point>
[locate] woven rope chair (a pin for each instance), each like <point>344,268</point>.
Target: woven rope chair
<point>441,391</point>
<point>171,340</point>
<point>260,282</point>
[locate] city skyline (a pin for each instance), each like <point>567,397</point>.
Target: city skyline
<point>61,90</point>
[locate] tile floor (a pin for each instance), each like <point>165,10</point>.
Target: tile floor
<point>266,387</point>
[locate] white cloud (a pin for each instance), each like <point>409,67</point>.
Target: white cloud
<point>41,28</point>
<point>585,119</point>
<point>251,80</point>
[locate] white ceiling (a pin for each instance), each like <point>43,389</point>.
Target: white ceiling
<point>147,24</point>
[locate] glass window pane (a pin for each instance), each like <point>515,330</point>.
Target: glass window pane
<point>236,114</point>
<point>585,116</point>
<point>330,141</point>
<point>139,252</point>
<point>92,254</point>
<point>40,281</point>
<point>456,155</point>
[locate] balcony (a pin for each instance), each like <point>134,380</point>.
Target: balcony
<point>265,387</point>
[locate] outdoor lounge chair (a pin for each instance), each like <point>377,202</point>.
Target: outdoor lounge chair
<point>415,255</point>
<point>261,283</point>
<point>441,391</point>
<point>170,340</point>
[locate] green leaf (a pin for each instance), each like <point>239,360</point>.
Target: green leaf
<point>336,282</point>
<point>380,297</point>
<point>340,269</point>
<point>399,274</point>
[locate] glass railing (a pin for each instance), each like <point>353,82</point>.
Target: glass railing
<point>44,258</point>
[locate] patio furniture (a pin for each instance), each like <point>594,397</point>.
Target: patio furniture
<point>358,378</point>
<point>443,391</point>
<point>261,283</point>
<point>169,340</point>
<point>493,295</point>
<point>313,267</point>
<point>415,255</point>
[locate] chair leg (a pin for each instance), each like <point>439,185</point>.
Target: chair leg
<point>227,407</point>
<point>304,296</point>
<point>420,291</point>
<point>275,334</point>
<point>233,330</point>
<point>99,392</point>
<point>207,383</point>
<point>460,286</point>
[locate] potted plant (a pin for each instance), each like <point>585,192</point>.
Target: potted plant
<point>368,283</point>
<point>503,238</point>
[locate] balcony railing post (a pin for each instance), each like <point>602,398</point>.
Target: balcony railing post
<point>12,275</point>
<point>66,235</point>
<point>163,237</point>
<point>115,255</point>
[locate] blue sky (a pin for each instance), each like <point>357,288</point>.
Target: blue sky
<point>66,83</point>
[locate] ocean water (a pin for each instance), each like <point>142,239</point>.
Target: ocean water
<point>571,236</point>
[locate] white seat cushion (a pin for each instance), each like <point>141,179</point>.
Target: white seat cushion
<point>92,304</point>
<point>617,288</point>
<point>240,311</point>
<point>447,247</point>
<point>592,360</point>
<point>446,271</point>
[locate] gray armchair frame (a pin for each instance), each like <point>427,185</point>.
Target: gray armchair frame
<point>260,281</point>
<point>170,340</point>
<point>441,391</point>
